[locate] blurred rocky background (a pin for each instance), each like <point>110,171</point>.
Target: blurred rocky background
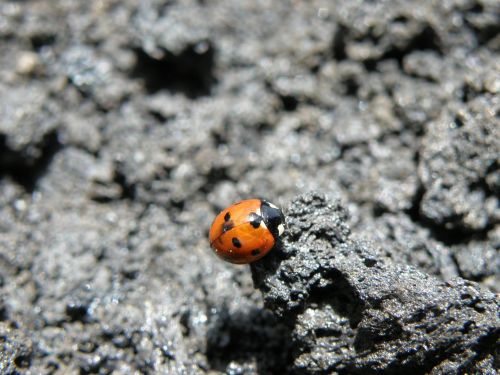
<point>125,126</point>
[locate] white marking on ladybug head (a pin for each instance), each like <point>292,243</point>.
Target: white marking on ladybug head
<point>272,205</point>
<point>263,225</point>
<point>281,229</point>
<point>259,213</point>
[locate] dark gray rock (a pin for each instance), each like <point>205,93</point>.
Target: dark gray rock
<point>28,130</point>
<point>353,310</point>
<point>16,348</point>
<point>478,262</point>
<point>404,242</point>
<point>460,184</point>
<point>126,126</point>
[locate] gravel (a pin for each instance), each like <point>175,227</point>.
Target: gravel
<point>125,127</point>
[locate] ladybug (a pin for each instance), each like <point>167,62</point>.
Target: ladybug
<point>246,231</point>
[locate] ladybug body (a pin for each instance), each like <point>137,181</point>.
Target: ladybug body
<point>246,231</point>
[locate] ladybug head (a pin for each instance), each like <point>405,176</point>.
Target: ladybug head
<point>273,218</point>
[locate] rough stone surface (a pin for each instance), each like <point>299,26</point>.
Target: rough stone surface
<point>125,126</point>
<point>353,309</point>
<point>461,179</point>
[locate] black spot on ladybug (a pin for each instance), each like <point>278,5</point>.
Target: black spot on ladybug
<point>254,220</point>
<point>227,226</point>
<point>255,252</point>
<point>227,216</point>
<point>236,242</point>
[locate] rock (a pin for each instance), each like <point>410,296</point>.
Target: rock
<point>460,184</point>
<point>16,349</point>
<point>126,126</point>
<point>352,309</point>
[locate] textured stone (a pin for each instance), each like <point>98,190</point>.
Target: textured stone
<point>352,309</point>
<point>126,126</point>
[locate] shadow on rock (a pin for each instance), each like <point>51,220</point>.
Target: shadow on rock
<point>245,339</point>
